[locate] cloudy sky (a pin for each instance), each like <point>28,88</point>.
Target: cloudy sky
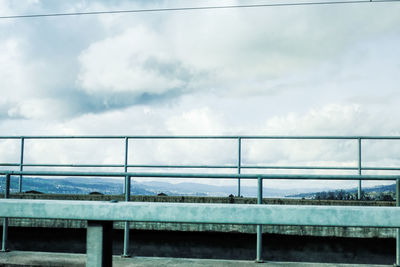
<point>310,70</point>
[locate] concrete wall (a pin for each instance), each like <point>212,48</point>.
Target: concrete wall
<point>357,232</point>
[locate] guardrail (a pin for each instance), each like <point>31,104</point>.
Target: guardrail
<point>99,215</point>
<point>293,215</point>
<point>239,166</point>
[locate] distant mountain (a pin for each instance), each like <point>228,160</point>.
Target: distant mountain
<point>73,186</point>
<point>376,189</point>
<point>114,186</point>
<point>191,188</point>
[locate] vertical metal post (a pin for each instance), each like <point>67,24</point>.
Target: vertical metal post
<point>126,158</point>
<point>5,220</point>
<point>99,244</point>
<point>359,168</point>
<point>127,190</point>
<point>259,226</point>
<point>21,164</point>
<point>398,229</point>
<point>7,189</point>
<point>5,235</point>
<point>239,163</point>
<point>125,254</point>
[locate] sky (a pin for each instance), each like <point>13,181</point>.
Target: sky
<point>304,70</point>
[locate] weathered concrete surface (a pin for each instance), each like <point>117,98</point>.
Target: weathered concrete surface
<point>357,232</point>
<point>212,245</point>
<point>19,258</point>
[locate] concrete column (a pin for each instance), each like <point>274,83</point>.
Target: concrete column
<point>99,244</point>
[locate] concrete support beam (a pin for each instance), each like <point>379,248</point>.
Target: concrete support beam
<point>99,244</point>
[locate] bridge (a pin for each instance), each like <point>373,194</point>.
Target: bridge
<point>100,214</point>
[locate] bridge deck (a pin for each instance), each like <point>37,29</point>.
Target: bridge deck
<point>27,258</point>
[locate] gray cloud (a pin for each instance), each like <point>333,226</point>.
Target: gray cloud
<point>230,53</point>
<point>106,102</point>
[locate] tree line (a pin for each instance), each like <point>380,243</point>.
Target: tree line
<point>345,195</point>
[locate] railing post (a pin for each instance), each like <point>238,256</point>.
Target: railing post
<point>398,229</point>
<point>239,163</point>
<point>126,157</point>
<point>126,226</point>
<point>5,220</point>
<point>359,169</point>
<point>21,164</point>
<point>259,226</point>
<point>127,190</point>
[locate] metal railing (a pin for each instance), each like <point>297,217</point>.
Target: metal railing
<point>239,166</point>
<point>369,221</point>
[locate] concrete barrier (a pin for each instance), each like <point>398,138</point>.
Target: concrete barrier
<point>355,232</point>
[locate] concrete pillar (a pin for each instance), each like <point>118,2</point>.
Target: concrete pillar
<point>99,244</point>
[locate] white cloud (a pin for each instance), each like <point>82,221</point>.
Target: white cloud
<point>330,120</point>
<point>245,50</point>
<point>23,85</point>
<point>5,8</point>
<point>202,121</point>
<point>15,74</point>
<point>10,151</point>
<point>37,108</point>
<point>74,151</point>
<point>135,61</point>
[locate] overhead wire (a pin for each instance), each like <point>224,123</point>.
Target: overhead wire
<point>196,8</point>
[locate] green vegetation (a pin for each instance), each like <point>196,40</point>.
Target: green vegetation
<point>346,195</point>
<point>376,193</point>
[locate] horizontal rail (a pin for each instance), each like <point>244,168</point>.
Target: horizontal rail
<point>203,213</point>
<point>9,164</point>
<point>122,165</point>
<point>298,167</point>
<point>199,137</point>
<point>183,166</point>
<point>64,165</point>
<point>203,166</point>
<point>204,175</point>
